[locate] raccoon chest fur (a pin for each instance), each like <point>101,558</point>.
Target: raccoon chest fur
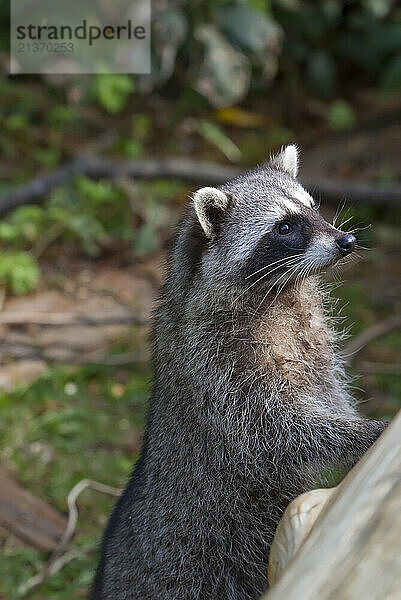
<point>294,344</point>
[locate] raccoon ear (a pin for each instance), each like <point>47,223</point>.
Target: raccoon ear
<point>287,160</point>
<point>210,206</point>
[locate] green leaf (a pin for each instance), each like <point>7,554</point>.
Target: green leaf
<point>27,214</point>
<point>130,148</point>
<point>19,272</point>
<point>341,115</point>
<point>8,232</point>
<point>89,230</point>
<point>61,114</point>
<point>29,221</point>
<point>141,126</point>
<point>97,192</point>
<point>49,157</point>
<point>216,136</point>
<point>112,91</point>
<point>16,122</point>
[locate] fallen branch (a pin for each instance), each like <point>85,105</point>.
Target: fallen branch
<point>194,171</point>
<point>114,360</point>
<point>58,559</point>
<point>99,168</point>
<point>28,517</point>
<point>65,355</point>
<point>68,318</point>
<point>370,334</point>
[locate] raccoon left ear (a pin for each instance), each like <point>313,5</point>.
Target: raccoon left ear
<point>210,206</point>
<point>287,160</point>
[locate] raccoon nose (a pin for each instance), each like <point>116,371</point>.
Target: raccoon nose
<point>346,244</point>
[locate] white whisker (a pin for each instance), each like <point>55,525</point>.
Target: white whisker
<point>344,222</point>
<point>339,209</point>
<point>290,261</point>
<point>272,264</point>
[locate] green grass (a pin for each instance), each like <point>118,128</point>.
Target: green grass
<point>69,425</point>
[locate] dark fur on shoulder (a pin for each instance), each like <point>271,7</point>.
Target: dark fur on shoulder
<point>249,401</point>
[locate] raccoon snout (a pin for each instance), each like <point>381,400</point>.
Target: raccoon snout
<point>346,244</point>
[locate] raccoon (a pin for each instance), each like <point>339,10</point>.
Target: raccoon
<point>250,400</point>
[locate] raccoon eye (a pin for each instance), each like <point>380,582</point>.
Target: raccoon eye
<point>284,228</point>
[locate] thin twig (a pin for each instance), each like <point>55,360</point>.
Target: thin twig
<point>37,580</point>
<point>72,498</point>
<point>370,334</point>
<point>198,171</point>
<point>57,559</point>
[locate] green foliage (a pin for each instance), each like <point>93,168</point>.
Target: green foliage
<point>321,36</point>
<point>19,272</point>
<point>24,224</point>
<point>87,211</point>
<point>130,148</point>
<point>152,209</point>
<point>48,157</point>
<point>341,115</point>
<point>77,213</point>
<point>70,424</point>
<point>227,42</point>
<point>16,122</point>
<point>112,91</point>
<point>60,115</point>
<point>133,146</point>
<point>222,48</point>
<point>141,127</point>
<point>91,213</point>
<point>80,212</point>
<point>216,136</point>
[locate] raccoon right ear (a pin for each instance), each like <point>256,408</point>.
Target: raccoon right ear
<point>210,205</point>
<point>287,161</point>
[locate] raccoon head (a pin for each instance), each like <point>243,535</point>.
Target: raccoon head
<point>263,228</point>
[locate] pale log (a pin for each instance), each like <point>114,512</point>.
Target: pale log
<point>354,548</point>
<point>29,518</point>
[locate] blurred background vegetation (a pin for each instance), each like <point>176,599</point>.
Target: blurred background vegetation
<point>231,82</point>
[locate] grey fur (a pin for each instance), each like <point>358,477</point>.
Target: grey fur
<point>249,401</point>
